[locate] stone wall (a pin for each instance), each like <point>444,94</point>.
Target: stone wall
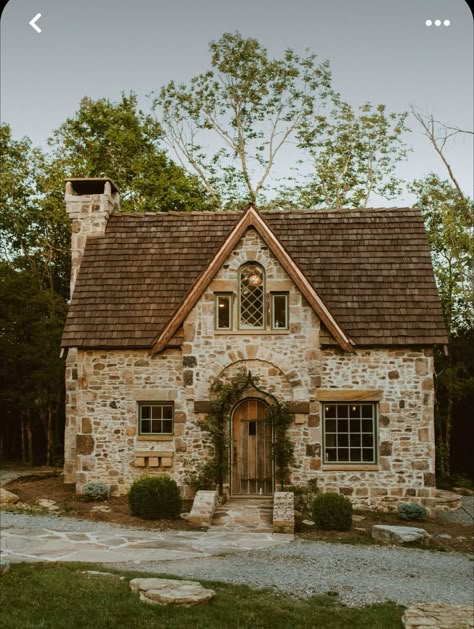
<point>103,388</point>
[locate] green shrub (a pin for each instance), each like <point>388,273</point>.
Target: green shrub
<point>155,497</point>
<point>412,511</point>
<point>332,512</point>
<point>96,491</point>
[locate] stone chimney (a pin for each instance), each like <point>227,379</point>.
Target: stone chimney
<point>89,203</point>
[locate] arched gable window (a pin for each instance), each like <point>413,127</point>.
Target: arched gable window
<point>251,296</point>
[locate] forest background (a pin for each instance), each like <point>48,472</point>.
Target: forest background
<point>208,145</point>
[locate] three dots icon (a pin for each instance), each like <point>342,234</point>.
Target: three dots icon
<point>437,22</point>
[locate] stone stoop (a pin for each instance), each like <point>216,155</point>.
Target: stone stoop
<point>204,505</point>
<point>244,514</point>
<point>284,512</point>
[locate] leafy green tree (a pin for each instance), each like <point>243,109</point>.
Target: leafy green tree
<point>353,155</point>
<point>229,124</point>
<point>31,371</point>
<point>118,140</point>
<point>449,222</point>
<point>448,216</point>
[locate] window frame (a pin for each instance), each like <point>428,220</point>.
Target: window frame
<point>264,298</point>
<point>375,414</point>
<point>163,403</point>
<point>274,294</point>
<point>230,296</point>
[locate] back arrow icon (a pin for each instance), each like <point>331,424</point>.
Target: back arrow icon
<point>33,23</point>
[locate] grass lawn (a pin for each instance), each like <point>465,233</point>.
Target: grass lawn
<point>57,596</point>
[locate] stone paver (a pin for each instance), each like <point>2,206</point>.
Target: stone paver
<point>438,616</point>
<point>171,591</point>
<point>18,545</point>
<point>244,515</point>
<point>398,534</point>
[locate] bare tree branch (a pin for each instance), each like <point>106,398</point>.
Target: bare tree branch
<point>439,142</point>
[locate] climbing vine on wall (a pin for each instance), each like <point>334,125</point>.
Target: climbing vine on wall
<point>283,447</point>
<point>225,395</point>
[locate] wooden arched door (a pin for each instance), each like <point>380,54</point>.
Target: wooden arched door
<point>251,448</point>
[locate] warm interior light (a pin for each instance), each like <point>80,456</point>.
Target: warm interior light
<point>221,305</point>
<point>255,280</point>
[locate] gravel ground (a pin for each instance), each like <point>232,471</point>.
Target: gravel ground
<point>359,574</point>
<point>61,523</point>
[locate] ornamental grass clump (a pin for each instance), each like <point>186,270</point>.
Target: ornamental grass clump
<point>155,497</point>
<point>412,511</point>
<point>332,512</point>
<point>96,491</point>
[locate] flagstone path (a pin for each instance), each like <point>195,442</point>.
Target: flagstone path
<point>244,515</point>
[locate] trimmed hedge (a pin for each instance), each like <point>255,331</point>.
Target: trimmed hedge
<point>332,512</point>
<point>155,497</point>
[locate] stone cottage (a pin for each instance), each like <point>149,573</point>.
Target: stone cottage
<point>336,312</point>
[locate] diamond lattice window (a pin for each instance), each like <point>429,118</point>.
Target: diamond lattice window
<point>252,296</point>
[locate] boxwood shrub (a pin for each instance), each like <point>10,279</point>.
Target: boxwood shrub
<point>332,512</point>
<point>155,497</point>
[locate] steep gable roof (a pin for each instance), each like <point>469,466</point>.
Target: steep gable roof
<point>251,218</point>
<point>370,268</point>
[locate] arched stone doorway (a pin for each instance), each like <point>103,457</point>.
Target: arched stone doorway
<point>251,454</point>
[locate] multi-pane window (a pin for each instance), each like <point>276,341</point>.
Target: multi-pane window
<point>155,418</point>
<point>223,311</point>
<point>279,302</point>
<point>252,297</point>
<point>349,433</point>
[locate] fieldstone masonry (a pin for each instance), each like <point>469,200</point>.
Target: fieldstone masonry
<point>103,388</point>
<point>283,512</point>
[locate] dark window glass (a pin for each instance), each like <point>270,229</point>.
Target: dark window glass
<point>156,419</point>
<point>330,411</point>
<point>280,312</point>
<point>223,312</point>
<point>342,411</point>
<point>355,454</point>
<point>355,440</point>
<point>331,454</point>
<point>349,433</point>
<point>252,428</point>
<point>167,426</point>
<point>342,440</point>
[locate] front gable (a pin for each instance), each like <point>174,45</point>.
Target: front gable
<point>251,220</point>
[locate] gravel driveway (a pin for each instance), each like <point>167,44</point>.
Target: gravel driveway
<point>359,574</point>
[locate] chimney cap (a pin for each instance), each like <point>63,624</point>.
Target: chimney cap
<point>90,185</point>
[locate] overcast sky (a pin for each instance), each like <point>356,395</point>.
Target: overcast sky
<point>379,50</point>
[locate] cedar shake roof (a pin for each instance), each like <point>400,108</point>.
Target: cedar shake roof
<point>371,268</point>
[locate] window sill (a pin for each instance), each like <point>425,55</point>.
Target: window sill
<point>250,332</point>
<point>155,437</point>
<point>369,467</point>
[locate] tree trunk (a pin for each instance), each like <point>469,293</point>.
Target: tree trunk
<point>23,441</point>
<point>29,442</point>
<point>449,416</point>
<point>50,437</point>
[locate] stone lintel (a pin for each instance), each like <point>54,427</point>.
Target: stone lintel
<point>154,395</point>
<point>349,395</point>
